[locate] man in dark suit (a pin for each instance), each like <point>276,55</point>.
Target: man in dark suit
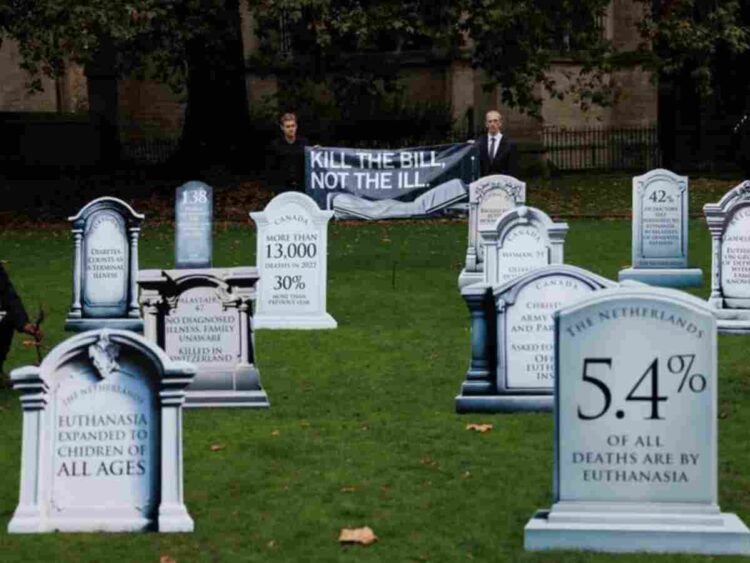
<point>497,153</point>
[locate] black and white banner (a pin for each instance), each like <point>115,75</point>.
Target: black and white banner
<point>382,183</point>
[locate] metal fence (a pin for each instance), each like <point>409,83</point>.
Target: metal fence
<point>603,149</point>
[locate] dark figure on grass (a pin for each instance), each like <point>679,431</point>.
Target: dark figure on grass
<point>287,157</point>
<point>14,318</point>
<point>497,153</point>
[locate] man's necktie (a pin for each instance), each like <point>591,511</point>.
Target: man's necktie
<point>492,148</point>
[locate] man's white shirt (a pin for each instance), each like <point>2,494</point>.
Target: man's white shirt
<point>498,138</point>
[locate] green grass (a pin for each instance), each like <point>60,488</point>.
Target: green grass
<point>361,429</point>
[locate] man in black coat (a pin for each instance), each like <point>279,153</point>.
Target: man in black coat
<point>15,317</point>
<point>287,157</point>
<point>497,153</point>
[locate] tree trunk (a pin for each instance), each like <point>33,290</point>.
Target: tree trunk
<point>101,80</point>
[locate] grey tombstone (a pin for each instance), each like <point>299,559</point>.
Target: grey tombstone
<point>102,437</point>
<point>635,457</point>
<point>204,316</point>
<point>660,232</point>
<point>105,267</point>
<point>489,198</point>
<point>292,257</point>
<point>193,210</point>
<point>521,240</point>
<point>729,223</point>
<point>519,373</point>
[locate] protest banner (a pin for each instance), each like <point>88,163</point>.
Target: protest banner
<point>385,183</point>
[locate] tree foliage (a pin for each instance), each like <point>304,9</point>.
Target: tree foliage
<point>513,41</point>
<point>695,36</point>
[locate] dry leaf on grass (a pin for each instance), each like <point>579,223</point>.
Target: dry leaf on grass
<point>362,536</point>
<point>348,489</point>
<point>166,559</point>
<point>275,433</point>
<point>217,447</point>
<point>479,427</point>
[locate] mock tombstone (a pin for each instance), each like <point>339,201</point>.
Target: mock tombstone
<point>519,376</point>
<point>522,240</point>
<point>203,316</point>
<point>193,225</point>
<point>292,255</point>
<point>636,367</point>
<point>729,224</point>
<point>105,267</point>
<point>489,198</point>
<point>660,232</point>
<point>102,437</point>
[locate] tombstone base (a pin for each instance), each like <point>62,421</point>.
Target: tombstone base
<point>213,399</point>
<point>238,387</point>
<point>503,403</point>
<point>112,522</point>
<point>294,322</point>
<point>73,324</point>
<point>630,532</point>
<point>664,277</point>
<point>466,278</point>
<point>174,518</point>
<point>733,321</point>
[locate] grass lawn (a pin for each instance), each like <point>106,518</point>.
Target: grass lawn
<point>361,429</point>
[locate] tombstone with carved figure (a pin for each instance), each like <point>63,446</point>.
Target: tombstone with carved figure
<point>102,437</point>
<point>489,198</point>
<point>105,267</point>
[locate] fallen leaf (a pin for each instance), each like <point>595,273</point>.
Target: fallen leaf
<point>362,536</point>
<point>348,489</point>
<point>271,544</point>
<point>166,559</point>
<point>217,447</point>
<point>275,433</point>
<point>466,475</point>
<point>479,427</point>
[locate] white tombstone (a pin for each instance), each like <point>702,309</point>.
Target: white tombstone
<point>729,223</point>
<point>519,376</point>
<point>292,255</point>
<point>102,437</point>
<point>489,198</point>
<point>521,240</point>
<point>635,457</point>
<point>105,267</point>
<point>203,316</point>
<point>660,231</point>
